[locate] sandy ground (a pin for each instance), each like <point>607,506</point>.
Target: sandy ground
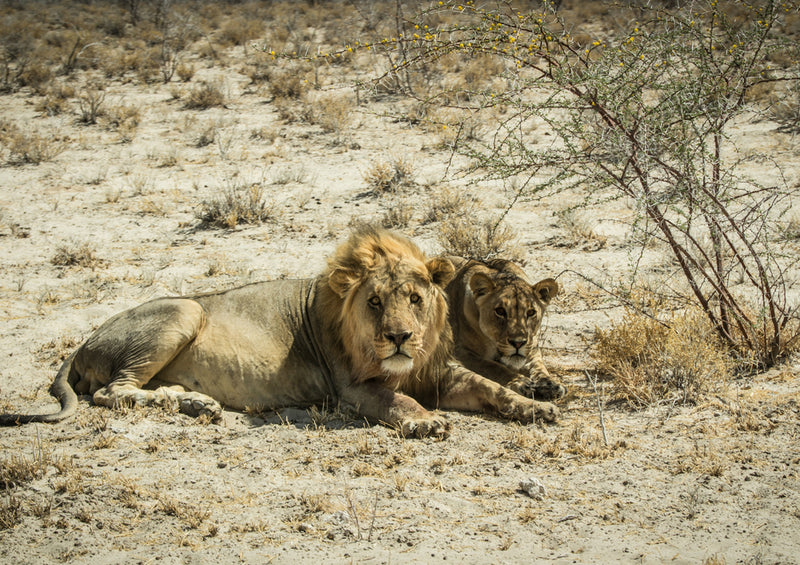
<point>716,482</point>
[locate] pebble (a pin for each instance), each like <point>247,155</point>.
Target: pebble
<point>533,487</point>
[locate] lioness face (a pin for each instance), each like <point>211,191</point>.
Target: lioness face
<point>510,315</point>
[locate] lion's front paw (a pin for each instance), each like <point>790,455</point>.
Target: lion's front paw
<point>526,411</point>
<point>197,404</point>
<point>548,388</point>
<point>524,386</point>
<point>545,388</point>
<point>547,411</point>
<point>425,425</point>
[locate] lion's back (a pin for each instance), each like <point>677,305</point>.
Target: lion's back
<point>258,348</point>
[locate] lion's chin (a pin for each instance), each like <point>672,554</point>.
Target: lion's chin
<point>397,365</point>
<point>514,361</point>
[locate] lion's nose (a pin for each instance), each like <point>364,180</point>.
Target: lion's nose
<point>398,338</point>
<point>517,343</point>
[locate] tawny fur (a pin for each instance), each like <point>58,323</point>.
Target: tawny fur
<point>371,332</point>
<point>494,309</point>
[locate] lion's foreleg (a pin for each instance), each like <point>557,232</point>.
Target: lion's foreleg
<point>537,382</point>
<point>466,390</point>
<point>487,368</point>
<point>376,402</point>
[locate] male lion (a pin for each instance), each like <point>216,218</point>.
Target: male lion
<point>370,332</point>
<point>496,315</point>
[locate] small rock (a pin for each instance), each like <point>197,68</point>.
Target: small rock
<point>533,487</point>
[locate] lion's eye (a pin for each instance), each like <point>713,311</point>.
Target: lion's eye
<point>500,311</point>
<point>375,302</point>
<point>531,313</point>
<point>414,298</point>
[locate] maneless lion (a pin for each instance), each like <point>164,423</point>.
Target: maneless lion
<point>496,314</point>
<point>371,332</point>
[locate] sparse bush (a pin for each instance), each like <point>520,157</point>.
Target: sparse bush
<point>465,237</point>
<point>36,76</point>
<point>205,95</point>
<point>389,176</point>
<point>90,103</point>
<point>237,204</point>
<point>287,83</point>
<point>56,100</point>
<point>650,361</point>
<point>30,146</point>
<point>240,31</point>
<point>123,119</point>
<point>398,216</point>
<point>447,202</point>
<point>185,72</point>
<point>75,254</point>
<point>579,230</point>
<point>333,113</point>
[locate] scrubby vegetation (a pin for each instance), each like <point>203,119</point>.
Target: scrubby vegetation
<point>640,101</point>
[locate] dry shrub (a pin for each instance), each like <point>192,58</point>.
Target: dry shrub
<point>579,231</point>
<point>447,202</point>
<point>332,112</point>
<point>287,83</point>
<point>37,76</point>
<point>10,511</point>
<point>29,146</point>
<point>75,254</point>
<point>185,72</point>
<point>237,204</point>
<point>652,361</point>
<point>398,216</point>
<point>205,95</point>
<point>466,237</point>
<point>389,176</point>
<point>481,69</point>
<point>123,119</point>
<point>90,102</point>
<point>56,100</point>
<point>240,30</point>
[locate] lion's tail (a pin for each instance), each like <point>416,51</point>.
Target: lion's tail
<point>62,390</point>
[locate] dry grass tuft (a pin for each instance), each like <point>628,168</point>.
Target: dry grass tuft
<point>29,146</point>
<point>446,203</point>
<point>389,176</point>
<point>579,231</point>
<point>651,361</point>
<point>75,253</point>
<point>333,113</point>
<point>287,83</point>
<point>463,236</point>
<point>10,511</point>
<point>237,204</point>
<point>205,95</point>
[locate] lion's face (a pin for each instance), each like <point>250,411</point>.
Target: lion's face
<point>393,311</point>
<point>510,313</point>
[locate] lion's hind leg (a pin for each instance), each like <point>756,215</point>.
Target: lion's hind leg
<point>119,364</point>
<point>192,403</point>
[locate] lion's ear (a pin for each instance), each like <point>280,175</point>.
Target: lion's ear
<point>480,284</point>
<point>342,281</point>
<point>441,270</point>
<point>546,289</point>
